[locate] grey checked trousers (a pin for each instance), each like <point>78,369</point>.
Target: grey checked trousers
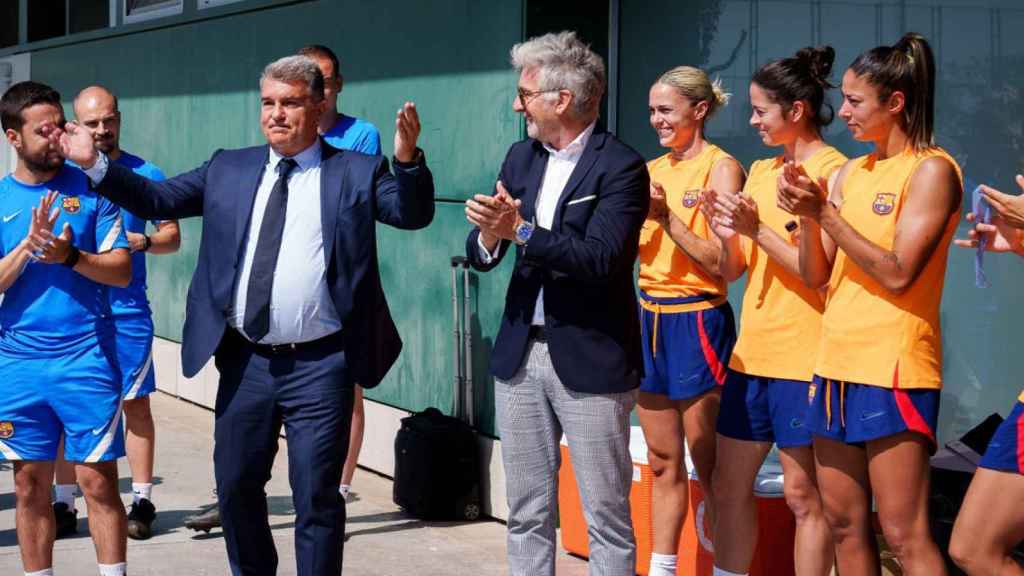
<point>533,409</point>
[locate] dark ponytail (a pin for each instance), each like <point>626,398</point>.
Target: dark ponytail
<point>908,67</point>
<point>803,77</point>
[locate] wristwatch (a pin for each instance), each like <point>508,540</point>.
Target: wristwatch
<point>524,230</point>
<point>147,242</point>
<point>73,255</point>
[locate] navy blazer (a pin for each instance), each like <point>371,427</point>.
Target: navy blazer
<point>356,190</point>
<point>584,263</point>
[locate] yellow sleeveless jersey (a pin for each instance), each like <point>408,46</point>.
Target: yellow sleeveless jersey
<point>665,270</point>
<point>870,335</point>
<point>781,320</point>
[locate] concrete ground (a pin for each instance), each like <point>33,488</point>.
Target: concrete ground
<point>381,540</point>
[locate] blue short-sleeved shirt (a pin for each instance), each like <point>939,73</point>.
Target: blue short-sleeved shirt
<point>132,299</point>
<point>350,133</point>
<point>51,309</point>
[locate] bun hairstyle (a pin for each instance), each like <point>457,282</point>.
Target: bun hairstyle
<point>908,67</point>
<point>694,85</point>
<point>802,77</point>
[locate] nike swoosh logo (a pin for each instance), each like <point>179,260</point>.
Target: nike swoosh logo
<point>98,431</point>
<point>871,415</point>
<point>11,217</point>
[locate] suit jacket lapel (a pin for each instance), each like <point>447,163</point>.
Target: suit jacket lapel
<point>330,196</point>
<point>249,183</point>
<point>590,154</point>
<point>534,180</point>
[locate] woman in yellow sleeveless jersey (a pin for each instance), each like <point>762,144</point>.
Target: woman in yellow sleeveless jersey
<point>687,325</point>
<point>765,394</point>
<point>991,521</point>
<point>874,401</point>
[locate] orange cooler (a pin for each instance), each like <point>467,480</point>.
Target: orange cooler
<point>774,553</point>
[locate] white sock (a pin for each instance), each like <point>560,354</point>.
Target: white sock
<point>344,490</point>
<point>140,490</point>
<point>47,572</point>
<point>662,564</point>
<point>719,572</point>
<point>113,569</point>
<point>65,493</point>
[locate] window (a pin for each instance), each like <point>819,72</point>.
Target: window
<point>56,18</point>
<point>46,19</point>
<point>212,3</point>
<point>85,15</point>
<point>139,10</point>
<point>8,24</point>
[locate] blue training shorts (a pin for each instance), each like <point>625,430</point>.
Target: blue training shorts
<point>76,395</point>
<point>857,413</point>
<point>685,353</point>
<point>1005,451</point>
<point>762,409</point>
<point>135,355</point>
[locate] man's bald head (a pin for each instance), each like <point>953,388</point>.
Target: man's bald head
<point>96,110</point>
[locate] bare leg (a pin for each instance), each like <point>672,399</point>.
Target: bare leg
<point>34,515</point>
<point>140,439</point>
<point>735,531</point>
<point>988,529</point>
<point>662,424</point>
<point>108,523</point>
<point>842,472</point>
<point>813,554</point>
<point>898,467</point>
<point>355,439</point>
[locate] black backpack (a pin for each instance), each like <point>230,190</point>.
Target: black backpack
<point>437,467</point>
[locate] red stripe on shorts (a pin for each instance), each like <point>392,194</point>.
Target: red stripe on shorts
<point>913,419</point>
<point>716,366</point>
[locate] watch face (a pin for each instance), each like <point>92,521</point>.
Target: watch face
<point>523,231</point>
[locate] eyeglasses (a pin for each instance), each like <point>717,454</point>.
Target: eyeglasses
<point>526,96</point>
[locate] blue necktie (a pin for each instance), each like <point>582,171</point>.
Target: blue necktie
<point>264,261</point>
<point>983,214</point>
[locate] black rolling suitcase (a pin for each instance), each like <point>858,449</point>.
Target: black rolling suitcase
<point>437,463</point>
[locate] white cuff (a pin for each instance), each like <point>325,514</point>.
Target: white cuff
<point>485,256</point>
<point>98,170</point>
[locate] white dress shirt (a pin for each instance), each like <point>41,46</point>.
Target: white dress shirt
<point>301,308</point>
<point>559,168</point>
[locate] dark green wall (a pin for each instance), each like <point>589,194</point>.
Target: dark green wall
<point>189,89</point>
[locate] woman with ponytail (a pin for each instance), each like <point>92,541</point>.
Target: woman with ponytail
<point>879,244</point>
<point>687,325</point>
<point>765,396</point>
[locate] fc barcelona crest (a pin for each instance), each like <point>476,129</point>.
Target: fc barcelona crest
<point>6,430</point>
<point>71,204</point>
<point>691,198</point>
<point>884,203</point>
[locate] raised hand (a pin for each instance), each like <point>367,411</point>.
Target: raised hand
<point>744,217</point>
<point>798,194</point>
<point>1010,208</point>
<point>74,143</point>
<point>658,209</point>
<point>40,228</point>
<point>407,131</point>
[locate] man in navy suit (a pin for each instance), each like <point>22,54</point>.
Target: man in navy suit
<point>572,199</point>
<point>286,297</point>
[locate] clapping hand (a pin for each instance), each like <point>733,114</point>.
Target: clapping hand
<point>497,216</point>
<point>40,226</point>
<point>798,194</point>
<point>717,216</point>
<point>658,208</point>
<point>407,131</point>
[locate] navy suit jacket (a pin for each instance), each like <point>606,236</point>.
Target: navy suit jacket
<point>356,191</point>
<point>584,263</point>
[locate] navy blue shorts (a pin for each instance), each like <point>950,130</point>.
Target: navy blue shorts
<point>1005,451</point>
<point>685,353</point>
<point>858,413</point>
<point>762,409</point>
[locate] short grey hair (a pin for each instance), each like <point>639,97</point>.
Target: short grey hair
<point>296,69</point>
<point>563,61</point>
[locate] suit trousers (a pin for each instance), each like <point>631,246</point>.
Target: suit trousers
<point>309,392</point>
<point>533,409</point>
